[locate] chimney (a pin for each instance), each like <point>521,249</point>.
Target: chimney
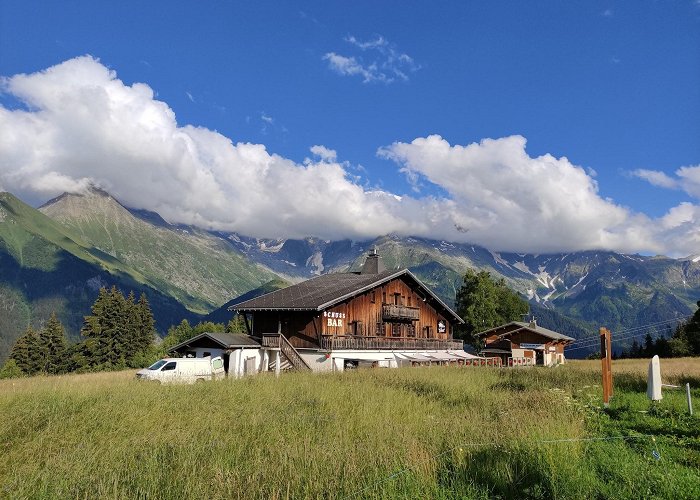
<point>533,323</point>
<point>373,264</point>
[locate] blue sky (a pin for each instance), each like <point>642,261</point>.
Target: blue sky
<point>611,89</point>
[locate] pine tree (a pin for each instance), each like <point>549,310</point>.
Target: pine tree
<point>53,341</point>
<point>26,352</point>
<point>96,343</point>
<point>142,348</point>
<point>145,324</point>
<point>635,350</point>
<point>648,350</point>
<point>678,344</point>
<point>117,328</point>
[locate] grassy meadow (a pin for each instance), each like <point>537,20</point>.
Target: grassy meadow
<point>438,432</point>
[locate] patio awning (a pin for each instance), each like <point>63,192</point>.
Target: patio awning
<point>442,356</point>
<point>413,356</point>
<point>465,355</point>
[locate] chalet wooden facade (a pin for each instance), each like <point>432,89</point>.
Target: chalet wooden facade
<point>372,315</point>
<point>525,344</point>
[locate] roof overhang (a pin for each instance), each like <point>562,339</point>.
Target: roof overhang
<point>224,345</point>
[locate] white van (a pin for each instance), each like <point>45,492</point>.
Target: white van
<point>183,370</point>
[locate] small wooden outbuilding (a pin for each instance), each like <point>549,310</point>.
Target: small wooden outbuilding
<point>525,344</point>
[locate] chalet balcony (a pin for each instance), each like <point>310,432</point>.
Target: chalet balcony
<point>360,343</point>
<point>391,312</point>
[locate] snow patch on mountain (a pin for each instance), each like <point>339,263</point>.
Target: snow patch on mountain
<point>544,278</point>
<point>274,248</point>
<point>316,260</point>
<point>499,260</point>
<point>238,240</point>
<point>521,266</point>
<point>580,280</point>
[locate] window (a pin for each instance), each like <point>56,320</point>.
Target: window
<point>396,329</point>
<point>217,363</point>
<point>397,299</point>
<point>380,329</point>
<point>410,330</point>
<point>372,296</point>
<point>205,354</point>
<point>157,365</point>
<point>383,297</point>
<point>169,366</point>
<point>428,331</point>
<point>357,328</point>
<point>409,301</point>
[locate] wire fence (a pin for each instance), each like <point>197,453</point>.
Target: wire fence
<point>627,334</point>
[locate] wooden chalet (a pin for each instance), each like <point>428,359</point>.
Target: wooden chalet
<point>524,344</point>
<point>374,315</point>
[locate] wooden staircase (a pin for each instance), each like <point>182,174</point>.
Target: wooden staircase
<point>290,358</point>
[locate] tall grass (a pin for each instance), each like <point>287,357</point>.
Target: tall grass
<point>422,432</point>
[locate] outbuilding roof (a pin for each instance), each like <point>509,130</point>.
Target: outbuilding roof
<point>226,340</point>
<point>518,326</point>
<point>328,290</point>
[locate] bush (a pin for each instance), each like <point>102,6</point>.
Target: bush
<point>11,370</point>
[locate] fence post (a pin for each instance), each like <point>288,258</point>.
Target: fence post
<point>606,364</point>
<point>690,401</point>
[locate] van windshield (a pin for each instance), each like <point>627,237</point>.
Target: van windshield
<point>157,365</point>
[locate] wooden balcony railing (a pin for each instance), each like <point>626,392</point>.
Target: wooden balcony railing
<point>394,312</point>
<point>360,343</point>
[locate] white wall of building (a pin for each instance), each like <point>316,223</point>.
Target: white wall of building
<point>237,362</point>
<point>317,360</point>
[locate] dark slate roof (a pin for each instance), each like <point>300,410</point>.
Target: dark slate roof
<point>328,290</point>
<point>520,326</point>
<point>226,340</point>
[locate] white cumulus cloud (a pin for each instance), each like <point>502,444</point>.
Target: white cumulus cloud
<point>80,126</point>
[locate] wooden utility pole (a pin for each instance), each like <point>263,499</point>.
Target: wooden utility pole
<point>606,362</point>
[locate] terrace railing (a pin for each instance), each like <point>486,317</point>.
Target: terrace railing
<point>361,343</point>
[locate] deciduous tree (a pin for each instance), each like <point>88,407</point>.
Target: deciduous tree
<point>484,303</point>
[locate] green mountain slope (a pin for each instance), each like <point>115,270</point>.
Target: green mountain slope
<point>45,268</point>
<point>193,266</point>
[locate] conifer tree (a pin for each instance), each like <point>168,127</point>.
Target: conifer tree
<point>145,324</point>
<point>53,346</point>
<point>96,343</point>
<point>117,327</point>
<point>26,353</point>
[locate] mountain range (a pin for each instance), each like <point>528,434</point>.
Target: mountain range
<point>56,257</point>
